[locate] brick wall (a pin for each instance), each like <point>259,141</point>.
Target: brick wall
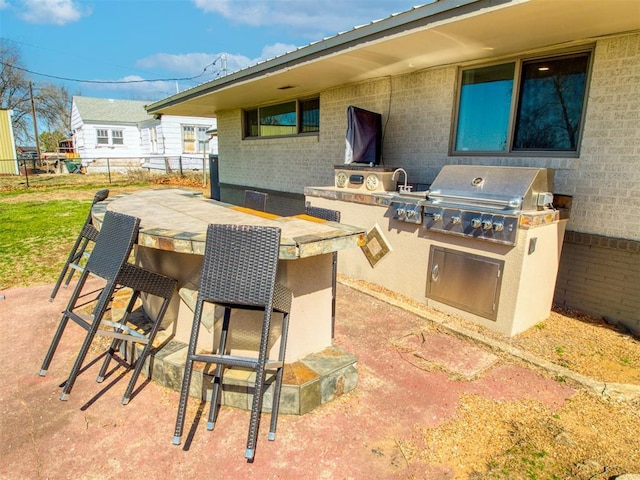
<point>417,111</point>
<point>605,183</point>
<point>416,116</point>
<point>601,275</point>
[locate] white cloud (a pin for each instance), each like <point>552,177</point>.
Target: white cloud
<point>4,4</point>
<point>320,17</point>
<point>57,12</point>
<point>200,64</point>
<point>187,65</point>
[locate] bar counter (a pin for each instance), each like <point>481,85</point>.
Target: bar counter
<point>171,241</point>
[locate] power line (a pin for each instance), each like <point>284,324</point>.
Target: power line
<point>112,82</point>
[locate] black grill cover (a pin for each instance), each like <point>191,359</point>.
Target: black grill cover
<point>364,136</point>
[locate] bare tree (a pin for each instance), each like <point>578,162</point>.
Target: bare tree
<point>14,89</point>
<point>52,102</point>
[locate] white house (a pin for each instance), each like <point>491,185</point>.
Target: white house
<point>431,72</point>
<point>120,134</point>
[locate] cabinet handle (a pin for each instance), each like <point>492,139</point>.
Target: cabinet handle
<point>435,273</point>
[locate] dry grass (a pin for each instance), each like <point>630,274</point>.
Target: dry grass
<point>591,436</point>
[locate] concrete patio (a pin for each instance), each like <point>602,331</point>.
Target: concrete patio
<point>356,435</point>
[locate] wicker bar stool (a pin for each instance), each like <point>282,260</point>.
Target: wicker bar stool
<point>331,216</point>
<point>140,281</point>
<point>255,200</point>
<point>78,251</point>
<point>239,272</point>
<point>108,261</point>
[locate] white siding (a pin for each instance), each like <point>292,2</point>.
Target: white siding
<point>136,148</point>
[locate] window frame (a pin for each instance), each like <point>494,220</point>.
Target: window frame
<point>153,139</point>
<point>514,106</point>
<point>102,133</point>
<point>199,142</point>
<point>255,112</point>
<point>109,137</point>
<point>117,134</point>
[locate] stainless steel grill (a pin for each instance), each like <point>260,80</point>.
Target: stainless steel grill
<point>485,202</point>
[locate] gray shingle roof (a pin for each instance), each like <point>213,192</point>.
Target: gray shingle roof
<point>112,111</point>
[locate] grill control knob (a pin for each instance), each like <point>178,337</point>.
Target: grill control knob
<point>476,222</point>
<point>498,226</point>
<point>486,224</point>
<point>456,220</point>
<point>411,214</point>
<point>437,217</point>
<point>401,212</point>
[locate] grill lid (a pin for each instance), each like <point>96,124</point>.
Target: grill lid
<point>503,188</point>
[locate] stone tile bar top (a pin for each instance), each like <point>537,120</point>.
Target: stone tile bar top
<point>177,220</point>
<point>173,226</point>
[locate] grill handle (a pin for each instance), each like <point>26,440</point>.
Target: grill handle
<point>514,202</point>
<point>435,273</point>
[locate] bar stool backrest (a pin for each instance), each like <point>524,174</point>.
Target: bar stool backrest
<point>240,264</point>
<point>323,213</point>
<point>255,200</point>
<point>88,229</point>
<point>78,251</point>
<point>117,236</point>
<point>331,216</point>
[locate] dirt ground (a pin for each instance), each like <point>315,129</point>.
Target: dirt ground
<point>591,436</point>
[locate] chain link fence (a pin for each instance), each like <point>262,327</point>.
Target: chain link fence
<point>33,169</point>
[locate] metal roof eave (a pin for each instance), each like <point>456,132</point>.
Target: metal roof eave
<point>417,17</point>
<point>449,32</point>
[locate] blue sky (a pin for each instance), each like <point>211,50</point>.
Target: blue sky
<point>132,40</point>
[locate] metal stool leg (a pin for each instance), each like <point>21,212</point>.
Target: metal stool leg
<point>279,374</point>
<point>84,349</point>
<point>73,257</point>
<point>116,342</point>
<point>188,370</point>
<point>214,407</point>
<point>258,396</point>
<point>139,364</point>
<point>61,327</point>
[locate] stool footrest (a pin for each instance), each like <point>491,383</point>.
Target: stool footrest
<point>235,361</point>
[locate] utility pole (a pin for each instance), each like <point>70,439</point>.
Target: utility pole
<point>35,123</point>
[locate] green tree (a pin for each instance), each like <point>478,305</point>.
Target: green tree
<point>49,141</point>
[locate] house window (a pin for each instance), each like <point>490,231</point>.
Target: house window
<point>188,139</point>
<point>194,139</point>
<point>203,139</point>
<point>116,137</point>
<point>310,115</point>
<point>153,139</point>
<point>523,106</point>
<point>283,119</point>
<point>102,137</point>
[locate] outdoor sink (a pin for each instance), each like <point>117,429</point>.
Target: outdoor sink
<point>406,197</point>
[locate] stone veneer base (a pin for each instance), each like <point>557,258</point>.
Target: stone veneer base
<point>308,383</point>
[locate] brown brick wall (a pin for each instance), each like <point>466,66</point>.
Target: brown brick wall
<point>601,276</point>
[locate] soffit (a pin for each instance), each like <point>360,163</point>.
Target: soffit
<point>498,29</point>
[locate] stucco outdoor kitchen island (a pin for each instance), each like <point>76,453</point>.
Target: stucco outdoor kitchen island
<point>171,241</point>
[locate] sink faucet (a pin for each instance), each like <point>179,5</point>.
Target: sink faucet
<point>403,188</point>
